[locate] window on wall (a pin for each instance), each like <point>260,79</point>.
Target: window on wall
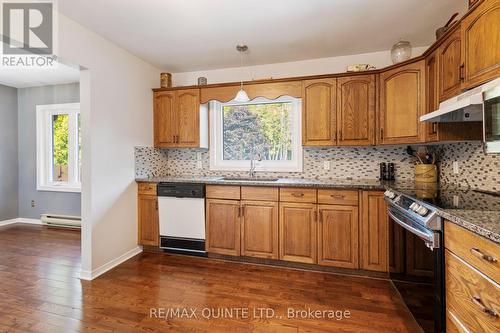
<point>263,129</point>
<point>58,147</point>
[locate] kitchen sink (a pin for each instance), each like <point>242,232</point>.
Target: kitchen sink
<point>251,179</point>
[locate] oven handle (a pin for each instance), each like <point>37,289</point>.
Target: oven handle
<point>430,241</point>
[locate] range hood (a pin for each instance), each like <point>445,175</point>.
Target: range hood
<point>464,107</point>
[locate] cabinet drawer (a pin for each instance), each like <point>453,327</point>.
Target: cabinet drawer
<point>222,192</point>
<point>298,195</point>
<point>338,197</point>
<point>475,250</point>
<point>471,297</point>
<point>146,188</point>
<point>259,193</point>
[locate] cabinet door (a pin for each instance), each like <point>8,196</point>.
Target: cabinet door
<point>223,226</point>
<point>149,225</point>
<point>298,232</point>
<point>259,229</point>
<point>450,66</point>
<point>432,89</point>
<point>481,44</point>
<point>188,117</point>
<point>164,119</point>
<point>374,240</point>
<point>338,236</point>
<point>402,102</point>
<point>356,110</point>
<point>318,113</point>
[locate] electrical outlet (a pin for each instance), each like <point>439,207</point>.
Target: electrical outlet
<point>456,201</point>
<point>199,165</point>
<point>455,168</point>
<point>327,165</point>
<point>198,157</point>
<point>32,203</point>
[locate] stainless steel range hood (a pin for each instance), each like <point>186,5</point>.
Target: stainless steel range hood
<point>464,107</point>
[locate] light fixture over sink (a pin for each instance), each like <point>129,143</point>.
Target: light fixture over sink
<point>241,96</point>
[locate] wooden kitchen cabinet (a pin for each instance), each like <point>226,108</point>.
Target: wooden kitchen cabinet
<point>432,93</point>
<point>164,114</point>
<point>450,66</point>
<point>147,220</point>
<point>374,232</point>
<point>338,236</point>
<point>318,113</point>
<point>356,110</point>
<point>480,44</point>
<point>402,102</point>
<point>297,230</point>
<point>223,226</point>
<point>177,119</point>
<point>259,229</point>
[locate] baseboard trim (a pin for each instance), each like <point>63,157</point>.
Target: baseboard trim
<point>90,275</point>
<point>20,220</point>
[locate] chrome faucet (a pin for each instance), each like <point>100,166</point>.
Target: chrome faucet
<point>253,164</point>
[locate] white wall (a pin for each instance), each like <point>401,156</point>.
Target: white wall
<point>289,69</point>
<point>116,104</point>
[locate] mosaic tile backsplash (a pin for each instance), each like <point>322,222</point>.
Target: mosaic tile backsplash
<point>477,170</point>
<point>355,163</point>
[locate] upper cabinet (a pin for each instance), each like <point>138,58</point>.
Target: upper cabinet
<point>179,120</point>
<point>450,66</point>
<point>356,110</point>
<point>318,113</point>
<point>480,44</point>
<point>402,102</point>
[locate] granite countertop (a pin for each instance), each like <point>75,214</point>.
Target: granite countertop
<point>475,211</point>
<point>365,184</point>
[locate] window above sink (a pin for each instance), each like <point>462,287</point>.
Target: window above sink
<point>266,131</point>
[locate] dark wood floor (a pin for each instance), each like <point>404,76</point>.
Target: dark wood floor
<point>40,292</point>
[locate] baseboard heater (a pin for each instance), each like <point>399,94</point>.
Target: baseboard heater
<point>62,220</point>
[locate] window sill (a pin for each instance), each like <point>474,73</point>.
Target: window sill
<point>59,188</point>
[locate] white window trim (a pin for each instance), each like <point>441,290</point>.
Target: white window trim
<point>218,164</point>
<point>44,115</point>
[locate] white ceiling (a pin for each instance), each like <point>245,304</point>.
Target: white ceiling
<point>19,77</point>
<point>188,35</point>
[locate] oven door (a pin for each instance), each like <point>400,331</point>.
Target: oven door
<point>416,269</point>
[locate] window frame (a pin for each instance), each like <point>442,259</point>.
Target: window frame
<point>44,147</point>
<point>217,163</point>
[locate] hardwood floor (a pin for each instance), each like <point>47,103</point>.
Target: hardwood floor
<point>40,292</point>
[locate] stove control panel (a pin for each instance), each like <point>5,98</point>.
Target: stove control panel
<point>389,194</point>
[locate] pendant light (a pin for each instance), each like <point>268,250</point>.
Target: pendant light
<point>241,96</point>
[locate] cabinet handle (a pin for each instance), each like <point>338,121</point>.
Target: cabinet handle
<point>461,73</point>
<point>490,312</point>
<point>176,139</point>
<point>479,254</point>
<point>297,195</point>
<point>239,211</point>
<point>243,210</point>
<point>381,134</point>
<point>156,204</point>
<point>337,196</point>
<point>320,216</point>
<point>434,128</point>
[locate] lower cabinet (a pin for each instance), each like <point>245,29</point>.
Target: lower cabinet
<point>374,232</point>
<point>325,227</point>
<point>259,229</point>
<point>149,233</point>
<point>298,232</point>
<point>223,226</point>
<point>338,236</point>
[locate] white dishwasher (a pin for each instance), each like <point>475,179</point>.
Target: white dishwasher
<point>182,218</point>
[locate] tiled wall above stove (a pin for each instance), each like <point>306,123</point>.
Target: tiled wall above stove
<point>476,169</point>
